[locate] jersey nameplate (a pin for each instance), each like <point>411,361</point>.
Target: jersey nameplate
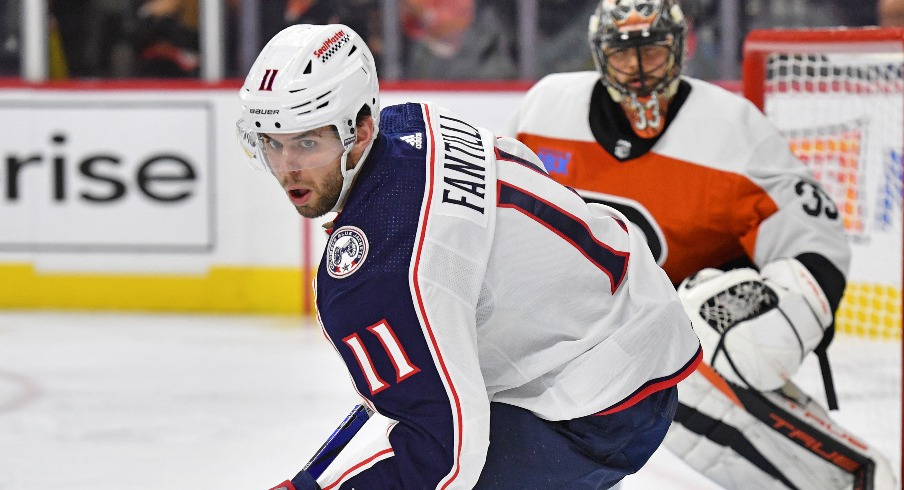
<point>463,176</point>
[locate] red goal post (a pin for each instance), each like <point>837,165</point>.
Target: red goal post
<point>838,96</point>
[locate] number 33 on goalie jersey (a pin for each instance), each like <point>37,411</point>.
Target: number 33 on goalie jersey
<point>460,274</point>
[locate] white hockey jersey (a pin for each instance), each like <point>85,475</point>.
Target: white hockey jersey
<point>458,274</point>
<point>720,184</point>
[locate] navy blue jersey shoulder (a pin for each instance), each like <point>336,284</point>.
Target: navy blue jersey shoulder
<point>371,302</point>
<point>388,194</point>
<point>401,118</point>
<point>386,200</point>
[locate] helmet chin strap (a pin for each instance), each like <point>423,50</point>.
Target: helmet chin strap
<point>349,174</point>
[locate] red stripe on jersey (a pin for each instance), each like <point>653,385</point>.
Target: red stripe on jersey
<point>349,471</point>
<point>651,388</point>
<point>420,299</point>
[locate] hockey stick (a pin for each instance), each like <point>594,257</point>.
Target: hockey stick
<point>338,440</point>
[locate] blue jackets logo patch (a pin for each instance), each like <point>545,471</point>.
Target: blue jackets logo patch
<point>346,251</point>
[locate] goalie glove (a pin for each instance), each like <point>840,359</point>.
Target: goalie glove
<point>756,328</point>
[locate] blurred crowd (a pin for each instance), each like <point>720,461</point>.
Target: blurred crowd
<point>440,39</point>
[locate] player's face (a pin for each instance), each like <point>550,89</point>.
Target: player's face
<point>307,166</point>
<point>637,67</point>
<point>305,150</point>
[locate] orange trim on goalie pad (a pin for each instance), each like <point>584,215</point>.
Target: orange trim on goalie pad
<point>719,383</point>
<point>802,437</point>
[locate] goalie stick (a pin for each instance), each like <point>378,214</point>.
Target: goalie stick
<point>338,440</point>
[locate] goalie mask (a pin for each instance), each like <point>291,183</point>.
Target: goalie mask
<point>638,48</point>
<point>301,99</point>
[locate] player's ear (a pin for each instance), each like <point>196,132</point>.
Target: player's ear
<point>364,132</point>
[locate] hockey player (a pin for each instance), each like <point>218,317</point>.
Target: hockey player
<point>506,334</point>
<point>753,243</point>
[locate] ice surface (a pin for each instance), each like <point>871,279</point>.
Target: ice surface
<point>99,401</point>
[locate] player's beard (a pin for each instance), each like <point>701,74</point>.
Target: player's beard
<point>326,194</point>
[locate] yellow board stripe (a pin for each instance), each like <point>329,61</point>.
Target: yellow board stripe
<point>867,310</point>
<point>222,289</point>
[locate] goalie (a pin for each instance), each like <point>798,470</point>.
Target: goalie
<point>725,205</point>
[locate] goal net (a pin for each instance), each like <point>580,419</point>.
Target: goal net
<point>838,96</point>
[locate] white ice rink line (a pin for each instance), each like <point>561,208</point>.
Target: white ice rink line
<point>159,402</point>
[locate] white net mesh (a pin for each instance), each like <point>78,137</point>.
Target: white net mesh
<point>738,303</point>
<point>843,114</point>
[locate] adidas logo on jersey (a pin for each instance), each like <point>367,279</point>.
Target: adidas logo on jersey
<point>414,140</point>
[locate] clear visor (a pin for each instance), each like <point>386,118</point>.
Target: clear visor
<point>649,57</point>
<point>287,152</point>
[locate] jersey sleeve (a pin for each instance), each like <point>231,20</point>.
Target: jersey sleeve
<point>806,225</point>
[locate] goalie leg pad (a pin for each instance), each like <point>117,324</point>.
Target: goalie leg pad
<point>743,439</point>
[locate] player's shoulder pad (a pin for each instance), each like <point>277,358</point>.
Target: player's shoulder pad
<point>509,148</point>
<point>401,118</point>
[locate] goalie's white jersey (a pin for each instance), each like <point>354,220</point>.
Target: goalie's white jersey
<point>719,185</point>
<point>459,273</point>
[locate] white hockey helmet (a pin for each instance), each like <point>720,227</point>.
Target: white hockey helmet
<point>308,77</point>
<point>632,24</point>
